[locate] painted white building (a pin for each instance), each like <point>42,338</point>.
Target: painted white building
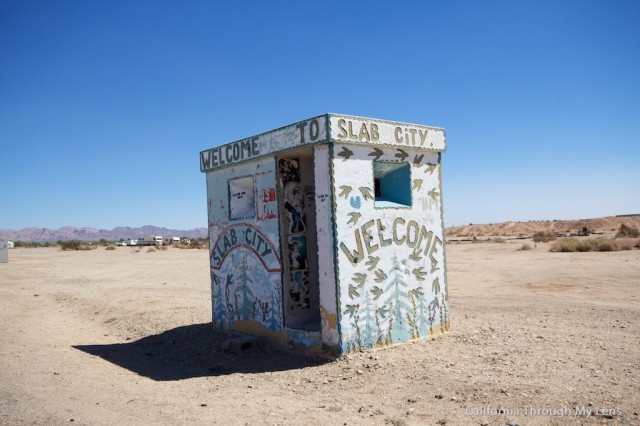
<point>328,233</point>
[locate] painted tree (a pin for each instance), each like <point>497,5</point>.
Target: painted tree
<point>220,313</point>
<point>397,299</point>
<point>367,318</point>
<point>244,289</point>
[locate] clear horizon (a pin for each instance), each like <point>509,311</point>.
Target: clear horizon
<point>106,106</point>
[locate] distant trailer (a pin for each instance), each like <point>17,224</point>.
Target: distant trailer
<point>150,241</point>
<point>131,242</point>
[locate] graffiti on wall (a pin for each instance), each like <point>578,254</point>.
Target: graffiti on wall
<point>390,260</point>
<point>242,290</point>
<point>295,200</point>
<point>245,260</point>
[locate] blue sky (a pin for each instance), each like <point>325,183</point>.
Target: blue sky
<point>105,105</point>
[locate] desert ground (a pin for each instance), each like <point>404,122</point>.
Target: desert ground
<point>124,337</point>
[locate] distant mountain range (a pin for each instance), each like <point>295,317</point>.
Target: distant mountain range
<point>68,233</point>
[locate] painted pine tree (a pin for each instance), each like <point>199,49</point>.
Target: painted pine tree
<point>273,320</point>
<point>398,301</point>
<point>220,315</point>
<point>367,319</point>
<point>244,289</point>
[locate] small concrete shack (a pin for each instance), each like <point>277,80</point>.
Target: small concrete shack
<point>328,234</point>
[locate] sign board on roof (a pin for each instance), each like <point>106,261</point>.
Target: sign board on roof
<point>322,129</point>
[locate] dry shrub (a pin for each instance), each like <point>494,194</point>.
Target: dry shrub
<point>110,247</point>
<point>627,243</point>
<point>499,240</point>
<point>573,245</point>
<point>627,232</point>
<point>544,236</point>
<point>151,250</point>
<point>526,247</point>
<point>76,245</point>
<point>161,247</point>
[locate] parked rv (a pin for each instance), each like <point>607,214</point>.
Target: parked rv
<point>132,242</point>
<point>150,241</point>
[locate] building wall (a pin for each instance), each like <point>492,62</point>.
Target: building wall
<point>390,261</point>
<point>246,264</point>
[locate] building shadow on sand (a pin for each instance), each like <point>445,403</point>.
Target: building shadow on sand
<point>196,351</point>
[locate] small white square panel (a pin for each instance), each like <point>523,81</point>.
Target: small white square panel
<point>242,200</point>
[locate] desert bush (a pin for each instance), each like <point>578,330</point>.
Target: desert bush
<point>626,243</point>
<point>544,236</point>
<point>161,247</point>
<point>627,232</point>
<point>76,245</point>
<point>110,247</point>
<point>499,240</point>
<point>564,245</point>
<point>151,250</point>
<point>596,244</point>
<point>526,247</point>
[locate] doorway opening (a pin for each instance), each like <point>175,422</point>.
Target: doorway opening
<point>296,202</point>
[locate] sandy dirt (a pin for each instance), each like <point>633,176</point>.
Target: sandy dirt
<point>118,337</point>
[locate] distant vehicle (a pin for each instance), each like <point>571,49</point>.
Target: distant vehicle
<point>131,242</point>
<point>122,243</point>
<point>150,241</point>
<point>10,244</point>
<point>174,240</point>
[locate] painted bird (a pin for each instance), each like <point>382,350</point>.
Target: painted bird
<point>436,286</point>
<point>377,292</point>
<point>401,154</point>
<point>418,159</point>
<point>419,273</point>
<point>415,255</point>
<point>345,190</point>
<point>351,310</point>
<point>345,153</point>
<point>433,194</point>
<point>359,278</point>
<point>430,168</point>
<point>417,184</point>
<point>366,193</point>
<point>353,291</point>
<point>372,262</point>
<point>377,153</point>
<point>354,216</point>
<point>380,276</point>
